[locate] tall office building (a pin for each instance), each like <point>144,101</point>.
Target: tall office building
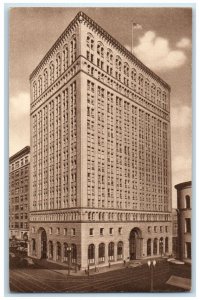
<point>19,176</point>
<point>100,145</point>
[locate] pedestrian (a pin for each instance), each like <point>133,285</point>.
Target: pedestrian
<point>109,265</point>
<point>124,262</point>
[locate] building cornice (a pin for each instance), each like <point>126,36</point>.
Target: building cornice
<point>82,17</point>
<point>24,151</point>
<point>182,185</point>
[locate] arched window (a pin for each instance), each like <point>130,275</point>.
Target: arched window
<point>140,82</point>
<point>153,92</point>
<point>118,63</point>
<point>148,247</point>
<point>101,252</point>
<point>166,245</point>
<point>50,250</point>
<point>65,57</point>
<point>146,89</point>
<point>164,98</point>
<point>158,97</point>
<point>74,253</point>
<point>90,41</point>
<point>51,72</point>
<point>91,254</point>
<point>187,201</point>
<point>111,251</point>
<point>58,251</point>
<point>109,56</point>
<point>58,65</point>
<point>100,49</point>
<point>34,90</point>
<point>120,250</point>
<point>73,49</point>
<point>40,85</point>
<point>155,246</point>
<point>133,75</point>
<point>65,253</point>
<point>45,79</point>
<point>126,69</point>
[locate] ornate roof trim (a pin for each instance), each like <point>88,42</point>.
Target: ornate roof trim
<point>182,185</point>
<point>24,151</point>
<point>80,17</point>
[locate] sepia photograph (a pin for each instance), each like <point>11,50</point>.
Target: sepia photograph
<point>100,150</point>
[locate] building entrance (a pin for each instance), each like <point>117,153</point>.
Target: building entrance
<point>43,244</point>
<point>135,244</point>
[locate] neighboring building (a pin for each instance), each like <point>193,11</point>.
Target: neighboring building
<point>19,168</point>
<point>100,140</point>
<point>174,232</point>
<point>184,210</point>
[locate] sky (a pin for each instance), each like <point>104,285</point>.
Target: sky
<point>162,39</point>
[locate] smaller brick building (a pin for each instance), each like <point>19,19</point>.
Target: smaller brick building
<point>19,168</point>
<point>184,213</point>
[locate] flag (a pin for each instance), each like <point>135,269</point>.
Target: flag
<point>137,26</point>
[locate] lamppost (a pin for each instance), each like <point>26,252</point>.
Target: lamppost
<point>69,250</point>
<point>151,265</point>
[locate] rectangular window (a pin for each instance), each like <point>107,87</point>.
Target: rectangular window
<point>188,250</point>
<point>111,230</point>
<point>155,228</point>
<point>188,225</point>
<point>73,232</point>
<point>120,230</point>
<point>91,231</point>
<point>65,231</point>
<point>187,201</point>
<point>101,231</point>
<point>149,229</point>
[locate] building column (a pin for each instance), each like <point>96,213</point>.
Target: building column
<point>158,246</point>
<point>106,253</point>
<point>115,251</point>
<point>163,246</point>
<point>143,248</point>
<point>61,252</point>
<point>151,247</point>
<point>96,255</point>
<point>54,251</point>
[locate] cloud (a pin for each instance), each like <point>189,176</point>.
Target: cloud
<point>155,52</point>
<point>19,122</point>
<point>181,117</point>
<point>184,43</point>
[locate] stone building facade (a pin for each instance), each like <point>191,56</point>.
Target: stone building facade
<point>19,176</point>
<point>174,232</point>
<point>184,214</point>
<point>100,143</point>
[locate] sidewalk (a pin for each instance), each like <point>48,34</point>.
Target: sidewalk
<point>63,268</point>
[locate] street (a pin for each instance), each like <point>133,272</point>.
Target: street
<point>121,280</point>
